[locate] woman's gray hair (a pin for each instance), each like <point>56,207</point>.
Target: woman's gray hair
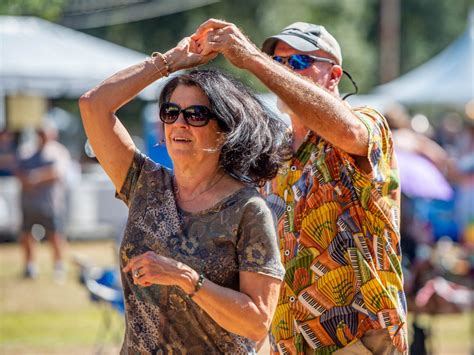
<point>256,142</point>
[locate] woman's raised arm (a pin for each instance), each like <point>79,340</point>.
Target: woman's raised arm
<point>109,139</point>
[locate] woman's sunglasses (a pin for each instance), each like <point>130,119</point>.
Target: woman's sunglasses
<point>304,61</point>
<point>196,115</point>
<point>301,61</point>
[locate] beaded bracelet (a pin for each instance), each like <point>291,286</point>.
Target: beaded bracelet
<point>198,285</point>
<point>165,62</point>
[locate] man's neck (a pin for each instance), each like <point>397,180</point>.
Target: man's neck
<point>299,132</point>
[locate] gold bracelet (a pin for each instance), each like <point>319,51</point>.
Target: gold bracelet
<point>165,63</point>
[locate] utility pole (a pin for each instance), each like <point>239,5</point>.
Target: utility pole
<point>389,40</point>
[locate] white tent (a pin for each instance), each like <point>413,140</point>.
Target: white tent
<point>41,58</point>
<point>448,78</point>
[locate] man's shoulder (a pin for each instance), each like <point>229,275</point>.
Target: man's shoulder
<point>368,112</point>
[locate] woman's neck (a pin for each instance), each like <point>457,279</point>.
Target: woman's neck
<point>196,180</point>
<point>200,187</point>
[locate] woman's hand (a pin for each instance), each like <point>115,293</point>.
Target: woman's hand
<point>152,269</point>
<point>185,55</point>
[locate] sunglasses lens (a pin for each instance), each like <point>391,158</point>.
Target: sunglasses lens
<point>300,61</point>
<point>278,59</point>
<point>169,112</point>
<point>197,115</point>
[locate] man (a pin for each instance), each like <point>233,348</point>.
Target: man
<point>43,201</point>
<point>337,202</point>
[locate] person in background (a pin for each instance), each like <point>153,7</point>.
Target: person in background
<point>337,200</point>
<point>201,270</point>
<point>43,198</point>
<point>8,156</point>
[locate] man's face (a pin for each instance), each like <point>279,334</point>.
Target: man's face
<point>319,72</point>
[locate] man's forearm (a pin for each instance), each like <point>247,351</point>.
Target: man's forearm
<point>314,106</point>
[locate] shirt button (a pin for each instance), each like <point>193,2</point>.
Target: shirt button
<point>293,168</point>
<point>287,252</point>
<point>288,208</point>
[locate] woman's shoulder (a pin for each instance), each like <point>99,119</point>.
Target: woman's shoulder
<point>252,201</point>
<point>151,175</point>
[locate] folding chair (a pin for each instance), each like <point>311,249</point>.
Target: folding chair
<point>105,289</point>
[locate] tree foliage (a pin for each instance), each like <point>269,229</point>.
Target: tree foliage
<point>427,26</point>
<point>47,9</point>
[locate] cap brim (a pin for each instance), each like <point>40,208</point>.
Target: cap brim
<point>296,42</point>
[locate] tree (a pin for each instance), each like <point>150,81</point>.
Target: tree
<point>48,9</point>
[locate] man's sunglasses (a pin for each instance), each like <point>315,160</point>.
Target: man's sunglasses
<point>196,115</point>
<point>301,61</point>
<point>304,61</point>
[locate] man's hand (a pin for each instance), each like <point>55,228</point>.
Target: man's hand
<point>186,55</point>
<point>216,36</point>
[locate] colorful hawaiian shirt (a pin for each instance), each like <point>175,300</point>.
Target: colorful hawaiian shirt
<point>339,241</point>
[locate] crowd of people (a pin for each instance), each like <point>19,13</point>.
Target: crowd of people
<point>259,229</point>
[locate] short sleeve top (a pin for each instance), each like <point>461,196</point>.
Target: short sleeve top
<point>237,234</point>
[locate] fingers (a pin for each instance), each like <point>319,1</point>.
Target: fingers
<point>212,42</point>
<point>139,261</point>
<point>210,24</point>
<point>130,264</point>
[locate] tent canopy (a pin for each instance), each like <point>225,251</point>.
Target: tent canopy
<point>447,78</point>
<point>41,58</point>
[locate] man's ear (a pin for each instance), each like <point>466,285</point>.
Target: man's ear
<point>336,74</point>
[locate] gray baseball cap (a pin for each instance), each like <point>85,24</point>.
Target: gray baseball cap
<point>305,37</point>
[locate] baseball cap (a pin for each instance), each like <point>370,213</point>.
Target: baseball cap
<point>305,37</point>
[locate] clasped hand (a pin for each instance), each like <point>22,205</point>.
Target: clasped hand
<point>210,39</point>
<point>152,269</point>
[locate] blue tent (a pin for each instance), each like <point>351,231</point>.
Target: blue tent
<point>448,78</point>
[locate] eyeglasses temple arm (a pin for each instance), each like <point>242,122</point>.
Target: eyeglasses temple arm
<point>353,83</point>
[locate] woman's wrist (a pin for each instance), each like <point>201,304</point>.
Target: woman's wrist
<point>171,60</point>
<point>160,63</point>
<point>190,278</point>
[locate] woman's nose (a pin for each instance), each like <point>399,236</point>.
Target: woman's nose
<point>181,121</point>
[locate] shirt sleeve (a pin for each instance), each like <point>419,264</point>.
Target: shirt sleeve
<point>257,246</point>
<point>129,186</point>
<point>380,152</point>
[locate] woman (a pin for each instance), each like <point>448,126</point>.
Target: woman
<point>201,267</point>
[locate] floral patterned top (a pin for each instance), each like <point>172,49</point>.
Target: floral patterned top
<point>237,234</point>
<point>340,244</point>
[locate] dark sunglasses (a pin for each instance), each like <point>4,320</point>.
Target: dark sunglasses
<point>301,61</point>
<point>195,115</point>
<point>304,61</point>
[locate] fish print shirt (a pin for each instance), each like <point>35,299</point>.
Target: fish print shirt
<point>237,234</point>
<point>339,241</point>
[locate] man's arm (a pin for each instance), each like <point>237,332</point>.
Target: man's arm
<point>316,108</point>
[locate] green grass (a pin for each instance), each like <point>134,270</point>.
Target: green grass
<point>56,328</point>
<point>451,334</point>
<point>42,317</point>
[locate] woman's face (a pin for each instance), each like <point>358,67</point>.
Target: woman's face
<point>190,144</point>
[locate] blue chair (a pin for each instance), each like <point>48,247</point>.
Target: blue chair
<point>105,289</point>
